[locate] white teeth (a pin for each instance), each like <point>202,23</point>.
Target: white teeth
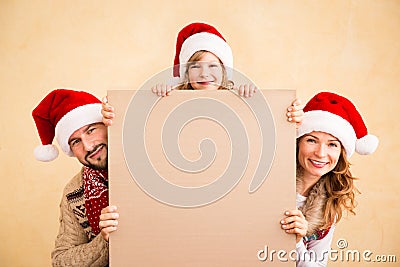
<point>318,163</point>
<point>97,150</point>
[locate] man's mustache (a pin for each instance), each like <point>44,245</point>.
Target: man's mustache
<point>94,150</point>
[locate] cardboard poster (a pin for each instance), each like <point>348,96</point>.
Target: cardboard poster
<point>201,178</point>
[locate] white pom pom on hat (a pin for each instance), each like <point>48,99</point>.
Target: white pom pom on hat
<point>367,144</point>
<point>45,152</point>
<point>336,115</point>
<point>58,115</point>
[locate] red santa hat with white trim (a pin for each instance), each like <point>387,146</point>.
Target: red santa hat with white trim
<point>334,114</point>
<point>201,36</point>
<point>59,115</point>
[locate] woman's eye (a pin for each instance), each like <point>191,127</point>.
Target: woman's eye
<point>310,140</point>
<point>333,145</point>
<point>195,66</point>
<point>214,65</point>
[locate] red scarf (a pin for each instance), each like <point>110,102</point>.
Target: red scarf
<point>95,184</point>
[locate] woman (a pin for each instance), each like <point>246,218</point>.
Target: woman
<point>331,130</point>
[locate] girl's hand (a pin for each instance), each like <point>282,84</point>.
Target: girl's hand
<point>295,223</point>
<point>247,90</point>
<point>108,221</point>
<point>107,111</point>
<point>162,89</point>
<point>295,112</point>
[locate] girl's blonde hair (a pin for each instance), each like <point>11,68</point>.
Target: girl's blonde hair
<point>185,85</point>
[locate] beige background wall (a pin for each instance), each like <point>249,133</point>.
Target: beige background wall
<point>351,47</point>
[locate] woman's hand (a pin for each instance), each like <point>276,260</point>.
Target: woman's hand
<point>162,89</point>
<point>108,221</point>
<point>295,223</point>
<point>107,111</point>
<point>295,112</point>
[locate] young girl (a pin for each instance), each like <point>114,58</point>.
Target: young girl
<point>203,61</point>
<point>331,130</point>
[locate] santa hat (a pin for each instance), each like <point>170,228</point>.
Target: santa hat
<point>59,115</point>
<point>200,36</point>
<point>336,115</point>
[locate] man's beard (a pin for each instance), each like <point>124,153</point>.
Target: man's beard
<point>98,164</point>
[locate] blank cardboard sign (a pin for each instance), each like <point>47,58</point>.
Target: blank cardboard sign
<point>201,178</point>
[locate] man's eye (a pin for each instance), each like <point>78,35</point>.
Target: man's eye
<point>90,130</point>
<point>74,142</point>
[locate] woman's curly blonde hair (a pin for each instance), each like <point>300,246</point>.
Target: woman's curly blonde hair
<point>340,189</point>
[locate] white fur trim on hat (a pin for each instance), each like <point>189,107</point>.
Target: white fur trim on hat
<point>73,120</point>
<point>45,152</point>
<point>209,42</point>
<point>324,121</point>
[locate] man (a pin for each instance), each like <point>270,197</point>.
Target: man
<point>86,220</point>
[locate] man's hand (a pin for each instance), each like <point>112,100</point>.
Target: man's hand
<point>108,221</point>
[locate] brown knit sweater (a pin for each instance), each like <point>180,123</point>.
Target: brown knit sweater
<point>75,244</point>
